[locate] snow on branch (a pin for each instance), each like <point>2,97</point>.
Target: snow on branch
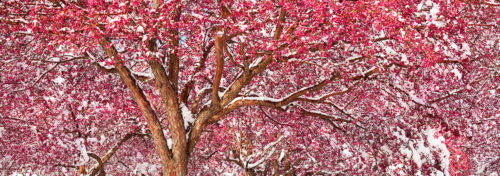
<point>111,152</point>
<point>413,97</point>
<point>38,79</point>
<point>263,155</point>
<point>111,69</point>
<point>457,91</point>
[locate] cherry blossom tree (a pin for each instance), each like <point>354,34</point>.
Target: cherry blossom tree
<point>249,87</point>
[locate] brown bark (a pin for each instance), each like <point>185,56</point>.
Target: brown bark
<point>100,165</point>
<point>206,113</point>
<point>175,161</point>
<point>276,168</point>
<point>167,86</point>
<point>219,55</point>
<point>173,62</point>
<point>174,117</point>
<point>144,105</point>
<point>81,170</point>
<point>249,172</point>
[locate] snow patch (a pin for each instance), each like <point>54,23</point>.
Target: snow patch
<point>282,155</point>
<point>346,153</point>
<point>102,140</point>
<point>438,143</point>
<point>59,80</point>
<point>416,99</point>
<point>80,146</point>
<point>140,29</point>
<point>404,59</point>
<point>2,129</point>
<point>256,62</point>
<point>186,114</point>
<point>145,168</point>
<point>457,73</point>
<point>169,143</point>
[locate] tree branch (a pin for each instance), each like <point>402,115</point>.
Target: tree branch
<point>100,164</point>
<point>219,56</point>
<point>112,151</point>
<point>174,117</point>
<point>143,103</point>
<point>190,84</point>
<point>114,70</point>
<point>232,92</point>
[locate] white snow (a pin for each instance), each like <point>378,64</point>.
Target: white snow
<point>444,153</point>
<point>140,29</point>
<point>312,158</point>
<point>389,50</point>
<point>61,143</point>
<point>269,153</point>
<point>102,140</point>
<point>143,74</point>
<point>412,96</point>
<point>254,98</point>
<point>404,59</point>
<point>261,159</point>
<point>258,133</point>
<point>369,70</point>
<point>169,143</point>
<point>33,129</point>
<point>84,103</point>
<point>197,15</point>
<point>282,155</point>
<point>433,14</point>
<point>105,66</point>
<point>242,26</point>
<point>264,154</point>
<point>416,99</point>
<point>145,168</point>
<point>115,19</point>
<point>80,145</point>
<point>2,129</point>
<point>59,80</point>
<point>466,49</point>
<point>273,143</point>
<point>418,152</point>
<point>92,140</point>
<point>321,113</point>
<point>346,153</point>
<point>186,114</point>
<point>256,62</point>
<point>457,73</point>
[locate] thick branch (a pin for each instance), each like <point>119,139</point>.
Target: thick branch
<point>173,65</point>
<point>242,80</point>
<point>100,165</point>
<point>279,26</point>
<point>219,56</point>
<point>175,121</point>
<point>143,103</point>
